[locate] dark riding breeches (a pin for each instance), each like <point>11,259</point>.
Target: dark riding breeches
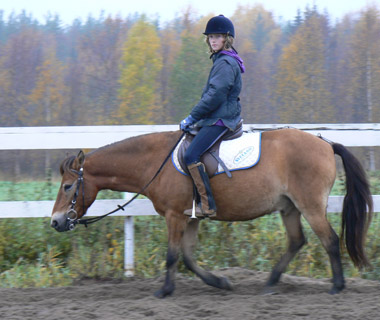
<point>204,140</point>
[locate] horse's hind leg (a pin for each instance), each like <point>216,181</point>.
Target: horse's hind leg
<point>296,239</point>
<point>330,241</point>
<point>189,241</point>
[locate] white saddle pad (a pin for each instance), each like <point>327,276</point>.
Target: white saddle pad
<point>238,154</point>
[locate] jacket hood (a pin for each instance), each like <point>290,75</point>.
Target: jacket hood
<point>235,55</point>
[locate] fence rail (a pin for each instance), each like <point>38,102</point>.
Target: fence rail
<point>29,138</point>
<point>48,138</point>
<point>139,207</point>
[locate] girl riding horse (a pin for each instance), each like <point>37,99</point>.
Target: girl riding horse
<point>218,110</point>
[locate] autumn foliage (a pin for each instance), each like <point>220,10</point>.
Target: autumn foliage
<point>138,71</point>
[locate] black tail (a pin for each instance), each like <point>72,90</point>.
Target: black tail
<point>357,207</point>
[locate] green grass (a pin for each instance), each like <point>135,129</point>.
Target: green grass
<point>33,254</point>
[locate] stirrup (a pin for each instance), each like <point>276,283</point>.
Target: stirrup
<point>194,213</point>
<point>197,212</point>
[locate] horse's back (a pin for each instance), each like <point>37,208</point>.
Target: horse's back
<point>298,147</point>
<point>296,137</point>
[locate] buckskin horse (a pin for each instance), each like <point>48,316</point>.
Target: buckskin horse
<point>294,177</point>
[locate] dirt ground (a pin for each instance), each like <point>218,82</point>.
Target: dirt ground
<point>297,298</point>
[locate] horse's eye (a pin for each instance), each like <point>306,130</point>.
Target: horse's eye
<point>67,187</point>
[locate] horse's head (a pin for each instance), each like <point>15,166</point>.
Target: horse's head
<point>74,196</point>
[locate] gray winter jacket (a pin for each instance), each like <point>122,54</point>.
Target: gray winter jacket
<point>220,97</point>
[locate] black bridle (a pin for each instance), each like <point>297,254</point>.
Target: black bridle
<point>72,215</point>
<point>72,219</point>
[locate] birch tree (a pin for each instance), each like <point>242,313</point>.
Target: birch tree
<point>141,66</point>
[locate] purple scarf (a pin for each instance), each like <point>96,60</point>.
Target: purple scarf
<point>236,56</point>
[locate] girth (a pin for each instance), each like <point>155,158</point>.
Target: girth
<point>211,157</point>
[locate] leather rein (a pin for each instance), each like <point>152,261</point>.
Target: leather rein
<point>72,218</point>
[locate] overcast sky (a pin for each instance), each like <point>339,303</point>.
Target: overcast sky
<point>68,10</point>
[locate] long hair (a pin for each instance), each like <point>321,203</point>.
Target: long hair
<point>228,42</point>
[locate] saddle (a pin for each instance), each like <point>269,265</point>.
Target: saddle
<point>211,157</point>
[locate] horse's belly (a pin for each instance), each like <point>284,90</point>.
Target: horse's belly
<point>247,204</point>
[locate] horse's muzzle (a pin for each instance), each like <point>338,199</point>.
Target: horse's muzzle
<point>61,222</point>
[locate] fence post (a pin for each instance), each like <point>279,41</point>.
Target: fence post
<point>129,265</point>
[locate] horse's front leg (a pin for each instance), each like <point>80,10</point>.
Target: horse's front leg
<point>176,224</point>
<point>189,242</point>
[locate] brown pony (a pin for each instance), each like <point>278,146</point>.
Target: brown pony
<point>294,177</point>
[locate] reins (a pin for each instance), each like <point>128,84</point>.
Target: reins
<point>74,221</point>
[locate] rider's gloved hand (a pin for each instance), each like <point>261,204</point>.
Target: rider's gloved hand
<point>186,123</point>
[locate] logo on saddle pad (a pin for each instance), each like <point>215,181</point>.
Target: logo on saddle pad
<point>243,154</point>
<point>237,154</point>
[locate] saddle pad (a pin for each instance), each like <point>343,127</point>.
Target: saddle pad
<point>237,154</point>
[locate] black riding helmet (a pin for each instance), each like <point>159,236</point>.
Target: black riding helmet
<point>220,24</point>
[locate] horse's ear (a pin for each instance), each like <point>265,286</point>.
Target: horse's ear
<point>80,158</point>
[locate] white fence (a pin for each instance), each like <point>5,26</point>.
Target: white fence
<point>28,138</point>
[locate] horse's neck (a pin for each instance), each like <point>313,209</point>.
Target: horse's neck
<point>129,164</point>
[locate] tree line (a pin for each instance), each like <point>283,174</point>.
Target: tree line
<point>135,70</point>
<point>111,70</point>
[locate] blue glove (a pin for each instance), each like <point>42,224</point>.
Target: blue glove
<point>186,123</point>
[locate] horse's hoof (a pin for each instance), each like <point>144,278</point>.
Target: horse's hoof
<point>268,291</point>
<point>336,290</point>
<point>225,284</point>
<point>162,293</point>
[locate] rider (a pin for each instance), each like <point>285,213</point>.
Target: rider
<point>218,109</point>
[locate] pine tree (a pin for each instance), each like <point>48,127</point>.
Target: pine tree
<point>189,75</point>
<point>302,92</point>
<point>365,64</point>
<point>257,40</point>
<point>340,71</point>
